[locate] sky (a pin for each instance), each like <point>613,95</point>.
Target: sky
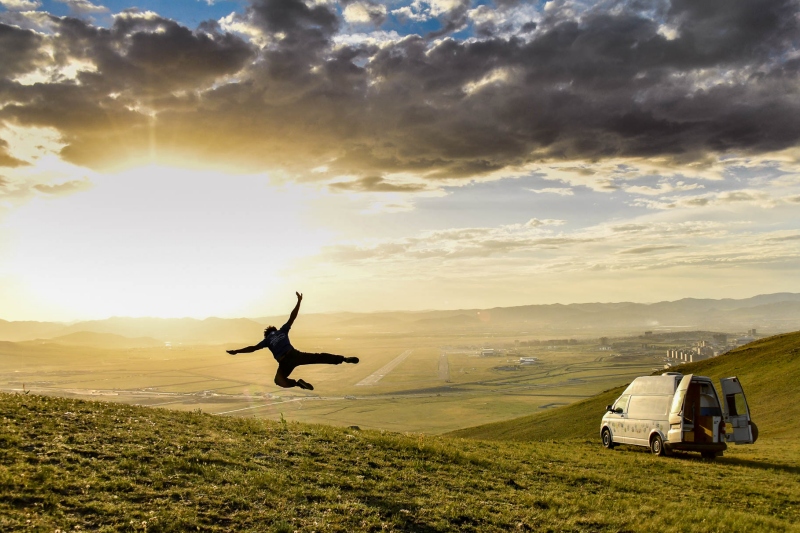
<point>210,158</point>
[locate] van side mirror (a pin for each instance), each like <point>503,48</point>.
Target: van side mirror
<point>608,408</point>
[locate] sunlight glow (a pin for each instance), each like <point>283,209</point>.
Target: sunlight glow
<point>159,241</point>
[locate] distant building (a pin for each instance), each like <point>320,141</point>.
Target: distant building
<point>744,340</point>
<point>751,332</point>
<point>686,356</point>
<point>528,360</point>
<point>720,339</point>
<point>487,352</point>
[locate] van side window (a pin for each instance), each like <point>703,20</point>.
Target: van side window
<point>649,406</point>
<point>622,403</point>
<point>736,404</point>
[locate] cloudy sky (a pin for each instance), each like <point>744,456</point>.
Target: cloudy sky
<point>210,157</point>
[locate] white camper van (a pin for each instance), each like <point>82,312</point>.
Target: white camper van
<point>677,412</point>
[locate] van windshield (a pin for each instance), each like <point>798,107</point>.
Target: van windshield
<point>621,404</point>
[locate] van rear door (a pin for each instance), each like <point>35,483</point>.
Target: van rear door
<point>737,414</point>
<point>676,421</point>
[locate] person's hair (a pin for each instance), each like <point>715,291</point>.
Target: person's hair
<point>269,328</point>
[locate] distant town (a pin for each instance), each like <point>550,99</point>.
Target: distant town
<point>675,348</point>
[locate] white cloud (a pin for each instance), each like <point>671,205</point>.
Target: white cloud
<point>21,5</point>
<point>663,188</point>
<point>408,13</point>
<point>562,191</point>
<point>234,23</point>
<point>535,222</point>
<point>361,13</point>
<point>83,6</point>
<point>422,10</point>
<point>441,7</point>
<point>498,76</point>
<point>743,196</point>
<point>379,37</point>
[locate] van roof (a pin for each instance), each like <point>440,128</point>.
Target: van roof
<point>664,384</point>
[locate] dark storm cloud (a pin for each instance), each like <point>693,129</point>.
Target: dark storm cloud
<point>20,51</point>
<point>6,160</point>
<point>146,55</point>
<point>453,20</point>
<point>600,85</point>
<point>375,184</point>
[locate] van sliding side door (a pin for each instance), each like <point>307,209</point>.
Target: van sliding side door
<point>737,414</point>
<point>676,422</point>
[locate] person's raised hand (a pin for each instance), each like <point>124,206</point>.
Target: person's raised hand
<point>299,296</point>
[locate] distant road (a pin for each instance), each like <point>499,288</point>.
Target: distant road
<point>444,367</point>
<point>379,374</point>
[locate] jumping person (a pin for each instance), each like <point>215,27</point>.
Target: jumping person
<point>277,340</point>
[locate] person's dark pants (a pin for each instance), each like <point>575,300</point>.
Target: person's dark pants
<point>295,358</point>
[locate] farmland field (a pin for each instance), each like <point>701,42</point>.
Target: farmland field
<point>445,374</point>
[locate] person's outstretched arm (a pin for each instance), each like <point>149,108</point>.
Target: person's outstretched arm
<point>245,350</point>
<point>294,312</point>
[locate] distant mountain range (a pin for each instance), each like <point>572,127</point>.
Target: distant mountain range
<point>769,313</point>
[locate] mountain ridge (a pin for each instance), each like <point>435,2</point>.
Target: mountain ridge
<point>776,312</point>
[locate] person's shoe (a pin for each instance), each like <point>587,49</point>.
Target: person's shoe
<point>353,360</point>
<point>232,352</point>
<point>304,385</point>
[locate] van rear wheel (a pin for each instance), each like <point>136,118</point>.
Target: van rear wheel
<point>608,442</point>
<point>657,445</point>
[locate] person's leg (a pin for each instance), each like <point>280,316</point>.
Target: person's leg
<point>285,367</point>
<point>304,358</point>
<point>282,380</point>
<point>297,358</point>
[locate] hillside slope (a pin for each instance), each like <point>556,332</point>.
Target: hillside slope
<point>71,465</point>
<point>769,370</point>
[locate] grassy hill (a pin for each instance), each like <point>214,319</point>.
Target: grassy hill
<point>769,370</point>
<point>69,465</point>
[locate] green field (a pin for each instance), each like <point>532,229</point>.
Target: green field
<point>441,377</point>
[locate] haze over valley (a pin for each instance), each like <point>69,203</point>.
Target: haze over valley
<point>465,366</point>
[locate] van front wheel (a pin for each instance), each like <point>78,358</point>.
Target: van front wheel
<point>657,445</point>
<point>608,442</point>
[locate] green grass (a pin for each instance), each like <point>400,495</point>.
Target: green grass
<point>69,464</point>
<point>769,370</point>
